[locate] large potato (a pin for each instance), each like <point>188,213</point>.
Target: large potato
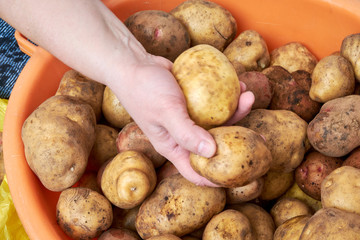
<point>350,50</point>
<point>285,135</point>
<point>241,157</point>
<point>333,77</point>
<point>332,224</point>
<point>174,208</point>
<point>293,56</point>
<point>312,171</point>
<point>340,189</point>
<point>209,83</point>
<point>207,22</point>
<point>58,137</point>
<point>262,224</point>
<point>249,49</point>
<point>128,179</point>
<point>77,85</point>
<point>229,224</point>
<point>83,213</point>
<point>159,32</point>
<point>335,129</point>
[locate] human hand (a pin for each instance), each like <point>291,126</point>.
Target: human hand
<point>155,101</point>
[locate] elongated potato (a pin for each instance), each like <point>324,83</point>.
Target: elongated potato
<point>178,207</point>
<point>241,157</point>
<point>209,83</point>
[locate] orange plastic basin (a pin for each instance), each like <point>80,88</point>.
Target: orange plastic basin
<point>319,24</point>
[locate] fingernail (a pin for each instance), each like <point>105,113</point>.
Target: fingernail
<point>205,149</point>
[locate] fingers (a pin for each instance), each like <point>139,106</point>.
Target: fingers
<point>246,101</point>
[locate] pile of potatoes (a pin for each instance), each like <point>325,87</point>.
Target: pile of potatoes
<point>288,170</point>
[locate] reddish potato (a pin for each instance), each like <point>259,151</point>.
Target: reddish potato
<point>119,234</point>
<point>312,171</point>
<point>353,159</point>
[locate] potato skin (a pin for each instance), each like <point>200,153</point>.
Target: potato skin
<point>285,135</point>
<point>131,137</point>
<point>262,224</point>
<point>174,208</point>
<point>340,189</point>
<point>128,179</point>
<point>276,184</point>
<point>218,27</point>
<point>229,224</point>
<point>334,130</point>
<point>77,85</point>
<point>292,228</point>
<point>119,234</point>
<point>159,32</point>
<point>249,49</point>
<point>291,92</point>
<point>353,159</point>
<point>350,50</point>
<point>114,112</point>
<point>333,77</point>
<point>259,84</point>
<point>287,208</point>
<point>312,171</point>
<point>165,237</point>
<point>245,193</point>
<point>58,137</point>
<point>199,71</point>
<point>332,224</point>
<point>125,218</point>
<point>241,157</point>
<point>293,56</point>
<point>83,213</point>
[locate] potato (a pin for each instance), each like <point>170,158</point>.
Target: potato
<point>77,85</point>
<point>249,49</point>
<point>104,147</point>
<point>340,189</point>
<point>350,50</point>
<point>166,170</point>
<point>293,56</point>
<point>229,224</point>
<point>125,218</point>
<point>113,111</point>
<point>83,213</point>
<point>287,208</point>
<point>292,228</point>
<point>353,159</point>
<point>259,84</point>
<point>276,184</point>
<point>240,158</point>
<point>209,83</point>
<point>333,77</point>
<point>334,130</point>
<point>131,137</point>
<point>58,137</point>
<point>128,179</point>
<point>159,32</point>
<point>173,208</point>
<point>262,224</point>
<point>295,192</point>
<point>207,23</point>
<point>312,171</point>
<point>89,180</point>
<point>285,135</point>
<point>165,237</point>
<point>245,193</point>
<point>332,224</point>
<point>291,92</point>
<point>119,234</point>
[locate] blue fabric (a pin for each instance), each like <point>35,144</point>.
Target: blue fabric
<point>12,59</point>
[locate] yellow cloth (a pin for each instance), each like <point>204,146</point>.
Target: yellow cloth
<point>3,105</point>
<point>10,225</point>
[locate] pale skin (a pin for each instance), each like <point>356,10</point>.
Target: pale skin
<point>88,37</point>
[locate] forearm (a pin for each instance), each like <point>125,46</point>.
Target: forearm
<point>84,34</point>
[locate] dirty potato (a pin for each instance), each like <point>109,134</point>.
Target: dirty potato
<point>350,50</point>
